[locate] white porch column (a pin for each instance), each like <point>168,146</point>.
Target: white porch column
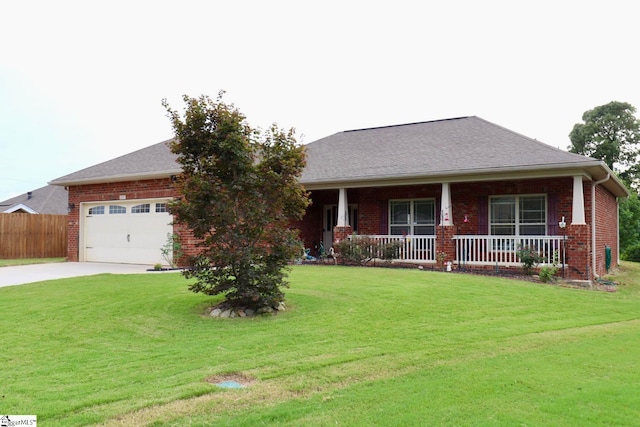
<point>343,208</point>
<point>446,214</point>
<point>577,210</point>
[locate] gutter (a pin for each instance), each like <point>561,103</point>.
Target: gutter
<point>115,178</point>
<point>593,224</point>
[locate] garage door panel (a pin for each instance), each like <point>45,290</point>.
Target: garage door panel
<point>133,238</point>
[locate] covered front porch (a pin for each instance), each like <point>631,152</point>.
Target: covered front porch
<point>472,225</point>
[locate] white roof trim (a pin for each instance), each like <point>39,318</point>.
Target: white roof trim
<point>117,178</point>
<point>20,206</point>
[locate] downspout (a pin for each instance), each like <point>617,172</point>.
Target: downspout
<point>593,224</point>
<point>618,228</point>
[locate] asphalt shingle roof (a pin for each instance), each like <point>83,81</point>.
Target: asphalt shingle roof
<point>154,161</point>
<point>465,146</point>
<point>50,199</point>
<point>460,145</point>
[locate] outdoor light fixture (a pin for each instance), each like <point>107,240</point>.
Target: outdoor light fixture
<point>563,225</point>
<point>70,207</point>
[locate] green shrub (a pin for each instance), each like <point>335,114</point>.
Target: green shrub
<point>632,253</point>
<point>172,250</point>
<point>389,251</point>
<point>529,258</point>
<point>361,250</point>
<point>548,272</point>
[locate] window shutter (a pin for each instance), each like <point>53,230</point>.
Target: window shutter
<point>552,215</point>
<point>483,215</point>
<point>384,217</point>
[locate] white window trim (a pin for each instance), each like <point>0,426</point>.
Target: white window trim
<point>412,224</point>
<point>517,212</point>
<point>141,208</point>
<point>115,210</point>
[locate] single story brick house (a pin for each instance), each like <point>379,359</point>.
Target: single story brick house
<point>462,190</point>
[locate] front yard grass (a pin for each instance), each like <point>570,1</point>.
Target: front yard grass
<point>358,346</point>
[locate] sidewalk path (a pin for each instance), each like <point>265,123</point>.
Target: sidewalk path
<point>20,274</point>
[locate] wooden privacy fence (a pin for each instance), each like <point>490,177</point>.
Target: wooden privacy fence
<point>25,235</point>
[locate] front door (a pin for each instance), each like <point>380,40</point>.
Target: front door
<point>330,220</point>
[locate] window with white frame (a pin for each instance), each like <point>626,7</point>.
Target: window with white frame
<point>161,207</point>
<point>116,209</point>
<point>96,210</point>
<point>518,215</point>
<point>412,217</point>
<point>143,208</point>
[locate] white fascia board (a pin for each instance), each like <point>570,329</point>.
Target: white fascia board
<point>477,176</point>
<point>117,178</point>
<point>18,207</point>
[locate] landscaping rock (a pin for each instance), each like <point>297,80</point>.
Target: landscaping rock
<point>229,313</point>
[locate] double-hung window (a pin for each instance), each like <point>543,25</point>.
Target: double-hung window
<point>412,217</point>
<point>518,215</point>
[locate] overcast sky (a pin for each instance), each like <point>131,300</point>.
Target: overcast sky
<point>82,82</point>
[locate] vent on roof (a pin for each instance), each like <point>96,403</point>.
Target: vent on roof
<point>29,194</point>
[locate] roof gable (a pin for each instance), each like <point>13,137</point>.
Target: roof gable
<point>50,199</point>
<point>155,161</point>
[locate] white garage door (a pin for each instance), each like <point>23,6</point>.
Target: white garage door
<point>130,232</point>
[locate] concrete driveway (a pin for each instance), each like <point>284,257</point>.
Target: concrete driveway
<point>20,274</point>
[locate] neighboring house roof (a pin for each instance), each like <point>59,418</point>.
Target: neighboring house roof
<point>156,161</point>
<point>46,200</point>
<point>458,149</point>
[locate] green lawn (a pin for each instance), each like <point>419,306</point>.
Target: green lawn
<point>358,347</point>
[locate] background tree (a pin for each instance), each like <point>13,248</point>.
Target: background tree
<point>240,192</point>
<point>629,221</point>
<point>610,133</point>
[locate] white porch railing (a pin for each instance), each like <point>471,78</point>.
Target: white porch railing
<point>502,250</point>
<point>474,250</point>
<point>411,248</point>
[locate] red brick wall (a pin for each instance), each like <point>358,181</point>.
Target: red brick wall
<point>373,203</point>
<point>606,228</point>
<point>464,198</point>
<point>311,226</point>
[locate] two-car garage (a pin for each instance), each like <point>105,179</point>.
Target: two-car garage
<point>124,231</point>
